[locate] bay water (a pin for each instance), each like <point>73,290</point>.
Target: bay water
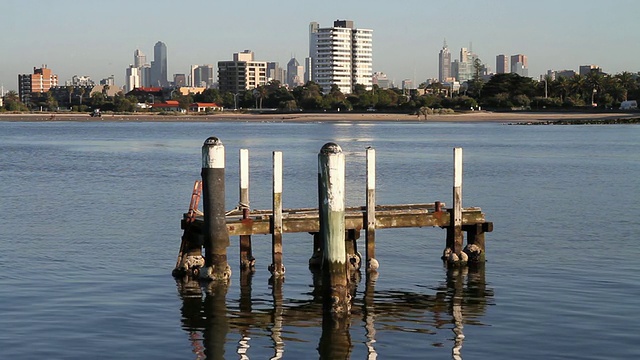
<point>90,229</point>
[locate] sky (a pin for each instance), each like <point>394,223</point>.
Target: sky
<point>98,38</point>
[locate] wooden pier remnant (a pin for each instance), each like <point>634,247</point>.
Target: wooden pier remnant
<point>216,235</point>
<point>334,227</point>
<point>247,261</point>
<point>331,187</point>
<point>277,267</point>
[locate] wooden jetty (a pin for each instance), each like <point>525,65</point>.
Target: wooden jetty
<point>331,224</point>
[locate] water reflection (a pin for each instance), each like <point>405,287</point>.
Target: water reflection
<point>460,299</point>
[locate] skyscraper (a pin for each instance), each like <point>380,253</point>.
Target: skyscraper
<point>295,73</point>
<point>139,58</point>
<point>340,55</point>
<point>133,78</point>
<point>202,75</point>
<point>159,72</point>
<point>444,64</point>
<point>502,64</point>
<point>519,65</point>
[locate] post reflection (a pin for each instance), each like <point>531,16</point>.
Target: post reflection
<point>211,323</point>
<point>277,316</point>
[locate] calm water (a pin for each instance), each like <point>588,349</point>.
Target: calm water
<point>90,228</point>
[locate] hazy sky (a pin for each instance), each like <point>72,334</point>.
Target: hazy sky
<point>98,38</point>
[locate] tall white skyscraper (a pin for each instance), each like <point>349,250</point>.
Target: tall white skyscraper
<point>139,58</point>
<point>340,55</point>
<point>133,78</point>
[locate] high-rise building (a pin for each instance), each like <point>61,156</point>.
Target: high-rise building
<point>295,73</point>
<point>159,74</point>
<point>132,80</point>
<point>275,72</point>
<point>519,65</point>
<point>139,59</point>
<point>242,73</point>
<point>381,79</point>
<point>201,76</point>
<point>444,64</point>
<point>40,81</point>
<point>502,64</point>
<point>586,69</point>
<point>341,55</point>
<point>179,80</point>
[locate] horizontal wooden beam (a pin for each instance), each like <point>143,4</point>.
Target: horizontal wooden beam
<point>387,216</point>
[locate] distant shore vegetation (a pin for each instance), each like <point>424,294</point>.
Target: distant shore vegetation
<point>501,92</point>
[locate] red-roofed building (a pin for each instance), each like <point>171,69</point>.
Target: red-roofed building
<point>204,107</point>
<point>169,105</point>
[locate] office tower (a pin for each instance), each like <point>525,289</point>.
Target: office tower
<point>242,73</point>
<point>159,72</point>
<point>444,64</point>
<point>502,64</point>
<point>132,80</point>
<point>586,69</point>
<point>519,65</point>
<point>381,79</point>
<point>341,55</point>
<point>179,80</point>
<point>40,82</point>
<point>201,76</point>
<point>139,58</point>
<point>275,72</point>
<point>295,73</point>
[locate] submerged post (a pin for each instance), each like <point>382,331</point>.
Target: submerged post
<point>277,268</point>
<point>331,191</point>
<point>216,236</point>
<point>370,233</point>
<point>247,261</point>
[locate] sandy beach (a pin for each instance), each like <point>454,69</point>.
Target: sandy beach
<point>472,116</point>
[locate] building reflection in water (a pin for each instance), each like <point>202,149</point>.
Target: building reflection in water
<point>461,299</point>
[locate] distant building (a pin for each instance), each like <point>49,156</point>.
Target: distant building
<point>519,65</point>
<point>204,107</point>
<point>111,81</point>
<point>179,80</point>
<point>341,55</point>
<point>139,58</point>
<point>132,79</point>
<point>381,79</point>
<point>202,76</point>
<point>586,69</point>
<point>565,74</point>
<point>502,64</point>
<point>242,73</point>
<point>295,73</point>
<point>159,73</point>
<point>444,64</point>
<point>407,84</point>
<point>39,82</point>
<point>80,81</point>
<point>275,72</point>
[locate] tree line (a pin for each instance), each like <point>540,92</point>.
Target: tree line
<point>501,91</point>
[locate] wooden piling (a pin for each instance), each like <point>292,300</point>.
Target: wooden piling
<point>247,261</point>
<point>277,267</point>
<point>456,218</point>
<point>216,235</point>
<point>331,190</point>
<point>370,232</point>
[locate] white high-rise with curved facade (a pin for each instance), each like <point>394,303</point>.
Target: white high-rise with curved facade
<point>340,55</point>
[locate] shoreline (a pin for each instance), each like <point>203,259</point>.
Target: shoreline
<point>475,116</point>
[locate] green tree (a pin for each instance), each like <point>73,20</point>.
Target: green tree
<point>12,102</point>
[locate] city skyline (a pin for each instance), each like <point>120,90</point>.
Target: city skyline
<point>97,39</point>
